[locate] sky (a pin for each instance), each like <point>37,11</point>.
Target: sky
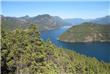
<point>55,0</point>
<point>63,9</point>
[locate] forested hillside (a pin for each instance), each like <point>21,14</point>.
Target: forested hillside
<point>23,52</point>
<point>87,32</point>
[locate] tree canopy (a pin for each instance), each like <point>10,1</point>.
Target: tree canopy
<point>23,52</point>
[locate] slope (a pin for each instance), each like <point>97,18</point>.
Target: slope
<point>23,52</point>
<point>87,32</point>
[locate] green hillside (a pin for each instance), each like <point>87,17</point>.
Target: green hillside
<point>11,23</point>
<point>87,32</point>
<point>23,52</point>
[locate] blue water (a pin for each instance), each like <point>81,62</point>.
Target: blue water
<point>101,51</point>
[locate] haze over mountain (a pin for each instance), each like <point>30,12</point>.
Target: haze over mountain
<point>75,21</point>
<point>100,20</point>
<point>44,22</point>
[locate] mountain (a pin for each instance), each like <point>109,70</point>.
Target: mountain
<point>75,21</point>
<point>102,20</point>
<point>87,32</point>
<point>23,52</point>
<point>14,22</point>
<point>44,22</point>
<point>48,22</point>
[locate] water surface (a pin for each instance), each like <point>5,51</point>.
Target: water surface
<point>101,51</point>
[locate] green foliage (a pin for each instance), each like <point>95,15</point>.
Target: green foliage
<point>86,32</point>
<point>23,52</point>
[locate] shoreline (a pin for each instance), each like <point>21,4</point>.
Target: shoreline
<point>84,41</point>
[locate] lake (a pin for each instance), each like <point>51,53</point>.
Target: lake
<point>101,51</point>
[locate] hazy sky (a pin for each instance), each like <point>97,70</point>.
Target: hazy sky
<point>64,9</point>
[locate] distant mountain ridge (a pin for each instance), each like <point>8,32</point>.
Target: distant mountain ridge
<point>102,20</point>
<point>75,21</point>
<point>44,22</point>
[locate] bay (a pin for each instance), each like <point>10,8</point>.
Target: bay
<point>99,50</point>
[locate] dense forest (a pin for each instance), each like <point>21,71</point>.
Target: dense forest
<point>87,32</point>
<point>24,52</point>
